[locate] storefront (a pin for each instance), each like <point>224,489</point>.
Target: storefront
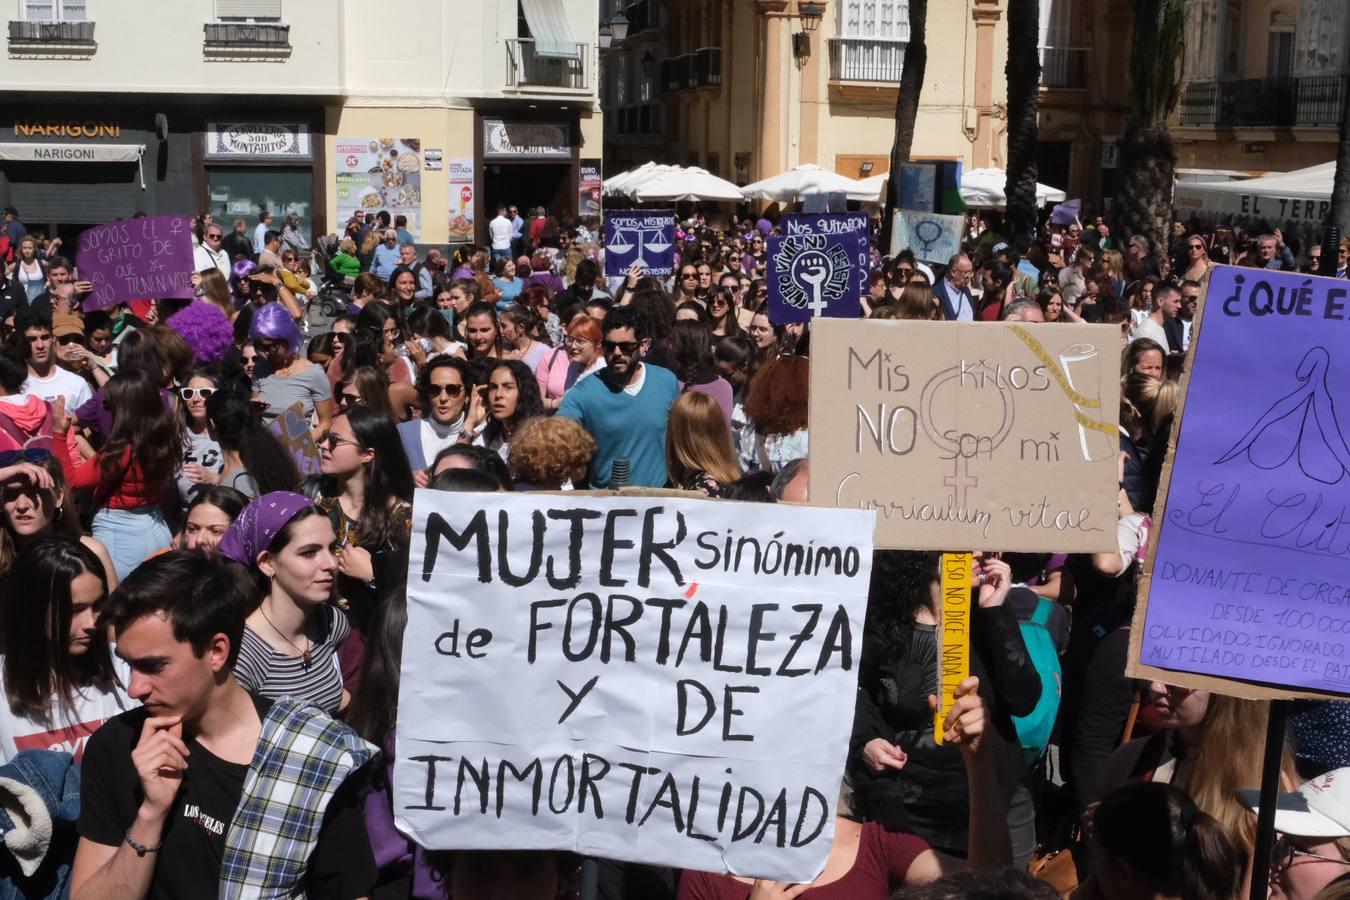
<point>527,162</point>
<point>71,166</point>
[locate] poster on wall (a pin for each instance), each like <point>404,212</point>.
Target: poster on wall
<point>380,173</point>
<point>588,193</point>
<point>459,172</point>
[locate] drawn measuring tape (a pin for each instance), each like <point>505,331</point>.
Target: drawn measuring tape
<point>953,633</point>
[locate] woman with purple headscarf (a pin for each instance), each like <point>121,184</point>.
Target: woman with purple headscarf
<point>283,377</point>
<point>290,643</point>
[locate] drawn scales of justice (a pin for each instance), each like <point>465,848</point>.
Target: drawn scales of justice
<point>646,239</point>
<point>1075,370</point>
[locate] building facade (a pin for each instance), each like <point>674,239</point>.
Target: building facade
<point>1265,84</point>
<point>749,88</point>
<point>431,110</point>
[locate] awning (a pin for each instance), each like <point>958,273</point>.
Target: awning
<point>74,153</point>
<point>548,26</point>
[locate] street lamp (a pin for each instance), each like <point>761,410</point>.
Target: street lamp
<point>648,63</point>
<point>810,14</point>
<point>619,26</point>
<point>606,36</point>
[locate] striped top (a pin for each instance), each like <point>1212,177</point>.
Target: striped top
<point>267,672</point>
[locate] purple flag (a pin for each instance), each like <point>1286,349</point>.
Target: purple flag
<point>137,259</point>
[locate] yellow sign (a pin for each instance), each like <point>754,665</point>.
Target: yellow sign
<point>70,129</point>
<point>953,633</point>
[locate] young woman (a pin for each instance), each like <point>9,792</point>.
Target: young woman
<point>512,397</point>
<point>366,290</point>
<point>248,359</point>
<point>210,515</point>
<point>1143,356</point>
<point>60,682</point>
<point>482,334</point>
<point>443,388</point>
<point>691,351</point>
<point>35,505</point>
<point>725,312</point>
<point>380,321</point>
<point>289,377</point>
<point>564,366</point>
<point>366,492</point>
<point>216,291</point>
<point>686,284</point>
<point>430,336</point>
<point>30,274</point>
<point>129,475</point>
<point>201,460</point>
<point>775,407</point>
<point>504,277</point>
<point>520,329</point>
<point>1198,265</point>
<point>366,386</point>
<point>699,453</point>
<point>402,286</point>
<point>253,461</point>
<point>290,642</point>
<point>541,302</point>
<point>735,360</point>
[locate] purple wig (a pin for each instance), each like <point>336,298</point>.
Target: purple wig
<point>205,329</point>
<point>238,272</point>
<point>274,323</point>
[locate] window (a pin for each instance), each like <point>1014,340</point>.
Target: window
<point>871,42</point>
<point>248,10</point>
<point>54,10</point>
<point>1280,50</point>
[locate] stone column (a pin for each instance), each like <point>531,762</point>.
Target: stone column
<point>776,54</point>
<point>985,14</point>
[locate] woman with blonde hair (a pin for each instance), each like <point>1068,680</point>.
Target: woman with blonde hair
<point>216,291</point>
<point>550,453</point>
<point>918,302</point>
<point>1115,270</point>
<point>699,453</point>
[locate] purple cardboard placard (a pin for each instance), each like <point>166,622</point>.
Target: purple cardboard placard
<point>819,267</point>
<point>1249,579</point>
<point>642,236</point>
<point>137,259</point>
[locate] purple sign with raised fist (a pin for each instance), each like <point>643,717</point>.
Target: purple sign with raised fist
<point>137,259</point>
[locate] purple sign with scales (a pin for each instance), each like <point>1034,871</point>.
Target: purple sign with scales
<point>137,259</point>
<point>1250,578</point>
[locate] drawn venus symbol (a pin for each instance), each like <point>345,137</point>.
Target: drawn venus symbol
<point>812,272</point>
<point>928,232</point>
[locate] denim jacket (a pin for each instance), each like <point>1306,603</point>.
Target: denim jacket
<point>41,844</point>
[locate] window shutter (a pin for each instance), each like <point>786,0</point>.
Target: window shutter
<point>40,10</point>
<point>248,9</point>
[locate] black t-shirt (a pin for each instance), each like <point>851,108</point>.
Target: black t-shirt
<point>188,864</point>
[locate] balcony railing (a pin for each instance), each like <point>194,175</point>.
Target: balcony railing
<point>708,67</point>
<point>644,119</point>
<point>64,39</point>
<point>1064,67</point>
<point>1264,102</point>
<point>526,69</point>
<point>236,41</point>
<point>866,59</point>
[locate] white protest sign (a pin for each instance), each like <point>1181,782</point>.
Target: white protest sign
<point>931,237</point>
<point>660,680</point>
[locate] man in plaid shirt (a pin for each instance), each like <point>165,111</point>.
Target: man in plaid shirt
<point>206,790</point>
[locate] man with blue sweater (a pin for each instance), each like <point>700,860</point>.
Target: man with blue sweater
<point>625,405</point>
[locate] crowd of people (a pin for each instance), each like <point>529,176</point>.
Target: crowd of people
<point>201,644</point>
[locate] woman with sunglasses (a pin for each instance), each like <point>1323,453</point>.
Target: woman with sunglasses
<point>512,397</point>
<point>366,386</point>
<point>443,388</point>
<point>686,284</point>
<point>285,377</point>
<point>253,461</point>
<point>1197,263</point>
<point>756,260</point>
<point>725,311</point>
<point>366,491</point>
<point>130,474</point>
<point>60,680</point>
<point>201,460</point>
<point>209,516</point>
<point>290,642</point>
<point>566,365</point>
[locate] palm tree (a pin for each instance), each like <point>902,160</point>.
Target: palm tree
<point>1340,187</point>
<point>1024,84</point>
<point>1148,157</point>
<point>906,110</point>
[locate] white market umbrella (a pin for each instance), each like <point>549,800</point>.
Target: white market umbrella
<point>686,184</point>
<point>985,189</point>
<point>794,184</point>
<point>873,187</point>
<point>1301,194</point>
<point>623,184</point>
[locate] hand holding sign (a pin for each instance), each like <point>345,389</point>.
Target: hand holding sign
<point>966,722</point>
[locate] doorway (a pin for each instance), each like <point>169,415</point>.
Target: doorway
<point>527,185</point>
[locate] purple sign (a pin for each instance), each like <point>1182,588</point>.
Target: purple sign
<point>1250,580</point>
<point>819,267</point>
<point>137,259</point>
<point>645,237</point>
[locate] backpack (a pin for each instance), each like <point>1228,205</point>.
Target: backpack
<point>1034,729</point>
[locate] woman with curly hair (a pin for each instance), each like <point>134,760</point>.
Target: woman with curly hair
<point>550,454</point>
<point>512,397</point>
<point>776,409</point>
<point>699,454</point>
<point>129,476</point>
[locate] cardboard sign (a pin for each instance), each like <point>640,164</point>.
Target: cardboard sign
<point>648,679</point>
<point>640,236</point>
<point>953,630</point>
<point>819,267</point>
<point>929,236</point>
<point>979,435</point>
<point>292,428</point>
<point>918,187</point>
<point>1247,580</point>
<point>137,259</point>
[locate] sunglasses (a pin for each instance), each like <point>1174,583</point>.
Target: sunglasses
<point>450,390</point>
<point>66,340</point>
<point>688,275</point>
<point>214,237</point>
<point>627,348</point>
<point>266,347</point>
<point>718,300</point>
<point>345,400</point>
<point>30,455</point>
<point>194,393</point>
<point>332,440</point>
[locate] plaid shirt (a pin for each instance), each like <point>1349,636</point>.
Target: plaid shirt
<point>303,757</point>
